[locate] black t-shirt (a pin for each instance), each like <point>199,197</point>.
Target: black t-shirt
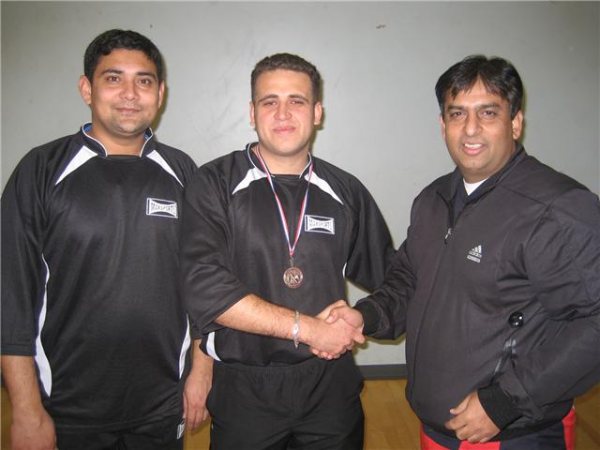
<point>233,244</point>
<point>90,279</point>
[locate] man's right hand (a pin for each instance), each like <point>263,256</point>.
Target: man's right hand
<point>32,427</point>
<point>32,431</point>
<point>253,314</point>
<point>339,329</point>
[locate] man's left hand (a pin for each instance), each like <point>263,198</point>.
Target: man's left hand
<point>194,401</point>
<point>471,422</point>
<point>196,389</point>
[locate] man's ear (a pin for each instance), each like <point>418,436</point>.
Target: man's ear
<point>161,93</point>
<point>442,126</point>
<point>318,111</point>
<point>85,89</point>
<point>517,125</point>
<point>252,121</point>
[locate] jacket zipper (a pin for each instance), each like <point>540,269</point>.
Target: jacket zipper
<point>448,234</point>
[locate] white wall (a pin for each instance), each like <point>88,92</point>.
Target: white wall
<point>380,62</point>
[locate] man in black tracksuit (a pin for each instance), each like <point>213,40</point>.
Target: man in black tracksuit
<point>94,335</point>
<point>269,235</point>
<point>497,285</point>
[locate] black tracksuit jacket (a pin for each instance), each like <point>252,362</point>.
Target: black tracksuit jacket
<point>526,244</point>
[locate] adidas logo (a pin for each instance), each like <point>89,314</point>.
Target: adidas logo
<point>161,208</point>
<point>475,254</point>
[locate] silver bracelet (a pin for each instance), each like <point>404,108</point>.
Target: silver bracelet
<point>296,329</point>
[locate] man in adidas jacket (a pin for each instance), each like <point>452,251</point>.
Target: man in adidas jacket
<point>497,285</point>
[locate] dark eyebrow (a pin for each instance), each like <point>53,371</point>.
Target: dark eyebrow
<point>115,71</point>
<point>299,96</point>
<point>454,108</point>
<point>267,97</point>
<point>147,74</point>
<point>489,105</point>
<point>276,97</point>
<point>119,72</point>
<point>479,107</point>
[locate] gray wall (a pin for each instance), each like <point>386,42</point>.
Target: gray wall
<point>380,62</point>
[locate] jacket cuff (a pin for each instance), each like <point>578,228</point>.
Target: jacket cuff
<point>370,317</point>
<point>498,406</point>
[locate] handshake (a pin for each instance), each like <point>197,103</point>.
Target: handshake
<point>333,331</point>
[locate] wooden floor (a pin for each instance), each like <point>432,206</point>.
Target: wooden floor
<point>390,424</point>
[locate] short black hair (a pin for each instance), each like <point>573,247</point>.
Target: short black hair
<point>497,75</point>
<point>114,39</point>
<point>287,61</point>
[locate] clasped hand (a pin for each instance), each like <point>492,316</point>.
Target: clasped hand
<point>340,328</point>
<point>470,422</point>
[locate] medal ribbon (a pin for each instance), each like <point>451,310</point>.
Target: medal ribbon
<point>282,217</point>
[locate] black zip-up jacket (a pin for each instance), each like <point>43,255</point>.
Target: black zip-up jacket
<point>503,300</point>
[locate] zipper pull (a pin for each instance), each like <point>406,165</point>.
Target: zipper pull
<point>448,234</point>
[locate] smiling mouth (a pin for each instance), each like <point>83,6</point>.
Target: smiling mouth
<point>128,111</point>
<point>472,149</point>
<point>284,129</point>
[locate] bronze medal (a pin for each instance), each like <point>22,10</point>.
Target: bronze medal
<point>293,277</point>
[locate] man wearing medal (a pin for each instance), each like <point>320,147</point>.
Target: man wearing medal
<point>269,235</point>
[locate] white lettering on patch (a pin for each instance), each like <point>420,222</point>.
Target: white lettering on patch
<point>318,224</point>
<point>161,208</point>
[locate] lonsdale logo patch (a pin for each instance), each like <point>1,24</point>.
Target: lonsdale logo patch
<point>161,208</point>
<point>318,224</point>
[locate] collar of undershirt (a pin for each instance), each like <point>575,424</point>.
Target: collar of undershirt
<point>251,150</point>
<point>471,187</point>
